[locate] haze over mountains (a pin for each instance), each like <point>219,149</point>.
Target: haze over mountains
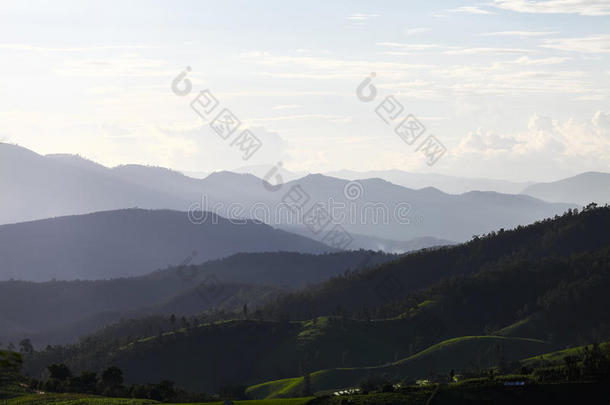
<point>448,184</point>
<point>582,189</point>
<point>37,187</point>
<point>213,249</point>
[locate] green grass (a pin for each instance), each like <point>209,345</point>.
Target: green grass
<point>73,399</point>
<point>556,358</point>
<point>456,354</point>
<point>82,399</point>
<point>278,401</point>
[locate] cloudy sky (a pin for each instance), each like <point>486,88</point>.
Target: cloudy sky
<point>513,89</point>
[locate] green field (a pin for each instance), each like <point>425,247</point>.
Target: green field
<point>450,354</point>
<point>81,399</point>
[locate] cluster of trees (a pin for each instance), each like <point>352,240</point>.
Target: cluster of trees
<point>110,384</point>
<point>10,362</point>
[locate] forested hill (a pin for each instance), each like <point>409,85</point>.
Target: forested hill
<point>60,311</point>
<point>132,242</point>
<point>548,281</point>
<point>559,237</point>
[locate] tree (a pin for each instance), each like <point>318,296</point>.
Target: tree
<point>571,363</point>
<point>307,390</point>
<point>25,347</point>
<point>88,381</point>
<point>594,362</point>
<point>59,372</point>
<point>112,377</point>
<point>10,361</point>
<point>167,390</point>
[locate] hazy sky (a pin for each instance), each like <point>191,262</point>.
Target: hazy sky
<point>514,89</point>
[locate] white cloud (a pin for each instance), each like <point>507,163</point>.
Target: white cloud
<point>288,66</point>
<point>470,10</point>
<point>493,51</point>
<point>480,140</point>
<point>591,97</point>
<point>361,17</point>
<point>588,44</point>
<point>547,147</point>
<point>125,66</point>
<point>527,61</point>
<point>580,7</point>
<point>409,47</point>
<point>522,34</point>
<point>37,48</point>
<point>601,120</point>
<point>285,106</point>
<point>301,117</point>
<point>417,30</point>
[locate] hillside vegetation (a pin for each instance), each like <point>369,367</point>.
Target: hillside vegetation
<point>454,354</point>
<point>512,286</point>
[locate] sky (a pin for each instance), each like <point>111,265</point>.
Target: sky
<point>511,89</point>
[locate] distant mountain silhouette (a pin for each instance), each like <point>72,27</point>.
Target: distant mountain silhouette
<point>582,189</point>
<point>130,242</point>
<point>388,211</point>
<point>448,184</point>
<point>37,187</point>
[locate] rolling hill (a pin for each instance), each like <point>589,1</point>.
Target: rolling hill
<point>452,354</point>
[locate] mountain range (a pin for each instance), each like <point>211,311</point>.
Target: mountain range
<point>495,300</point>
<point>384,213</point>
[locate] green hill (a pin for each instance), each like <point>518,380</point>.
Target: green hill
<point>560,237</point>
<point>457,354</point>
<point>547,282</point>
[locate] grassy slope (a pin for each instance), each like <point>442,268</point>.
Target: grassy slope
<point>456,353</point>
<point>74,399</point>
<point>78,399</point>
<point>261,348</point>
<point>554,358</point>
